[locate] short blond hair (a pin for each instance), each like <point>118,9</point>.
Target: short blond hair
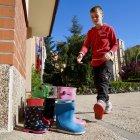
<point>93,9</point>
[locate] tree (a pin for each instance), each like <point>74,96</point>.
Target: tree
<point>62,49</point>
<point>50,45</point>
<point>76,74</point>
<point>76,27</point>
<point>51,73</point>
<point>132,68</point>
<point>132,54</point>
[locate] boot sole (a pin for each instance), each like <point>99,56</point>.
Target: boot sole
<point>33,131</point>
<point>67,132</point>
<point>99,111</point>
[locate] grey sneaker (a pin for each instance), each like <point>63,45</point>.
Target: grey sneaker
<point>108,107</point>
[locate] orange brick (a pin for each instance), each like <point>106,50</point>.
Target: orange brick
<point>7,11</point>
<point>6,23</point>
<point>6,35</point>
<point>7,47</point>
<point>6,59</point>
<point>7,2</point>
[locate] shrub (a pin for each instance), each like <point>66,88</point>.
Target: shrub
<point>133,80</point>
<point>36,79</point>
<point>125,86</point>
<point>82,89</point>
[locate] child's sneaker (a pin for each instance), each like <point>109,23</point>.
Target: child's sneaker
<point>108,108</point>
<point>99,109</point>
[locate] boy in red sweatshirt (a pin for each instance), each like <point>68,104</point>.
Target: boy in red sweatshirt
<point>103,40</point>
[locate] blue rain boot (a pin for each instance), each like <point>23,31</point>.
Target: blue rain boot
<point>64,110</point>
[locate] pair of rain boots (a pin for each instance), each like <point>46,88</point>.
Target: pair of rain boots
<point>60,112</point>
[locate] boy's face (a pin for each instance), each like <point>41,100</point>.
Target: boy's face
<point>97,17</point>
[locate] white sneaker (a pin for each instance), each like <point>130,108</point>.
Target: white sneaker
<point>108,107</point>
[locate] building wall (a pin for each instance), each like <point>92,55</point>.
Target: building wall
<point>12,34</point>
<point>121,52</point>
<point>119,60</point>
<point>12,62</point>
<point>20,38</point>
<point>7,14</point>
<point>31,60</point>
<point>4,91</point>
<point>115,67</point>
<point>40,25</point>
<point>31,57</point>
<point>12,95</point>
<point>14,68</point>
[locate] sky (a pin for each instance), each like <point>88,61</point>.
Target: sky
<point>123,15</point>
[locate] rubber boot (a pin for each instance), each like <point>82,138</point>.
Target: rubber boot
<point>34,121</point>
<point>64,110</point>
<point>35,102</point>
<point>48,112</point>
<point>69,93</point>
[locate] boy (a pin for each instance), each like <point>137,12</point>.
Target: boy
<point>104,44</point>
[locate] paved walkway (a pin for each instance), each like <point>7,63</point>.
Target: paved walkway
<point>122,124</point>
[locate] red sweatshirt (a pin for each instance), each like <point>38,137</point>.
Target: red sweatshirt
<point>102,40</point>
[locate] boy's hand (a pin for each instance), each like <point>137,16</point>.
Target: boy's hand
<point>108,56</point>
<point>79,58</point>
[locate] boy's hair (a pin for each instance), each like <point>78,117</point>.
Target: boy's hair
<point>93,9</point>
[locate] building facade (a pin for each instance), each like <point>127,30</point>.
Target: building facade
<point>20,22</point>
<point>119,61</point>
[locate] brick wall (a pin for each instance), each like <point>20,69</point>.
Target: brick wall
<point>13,32</point>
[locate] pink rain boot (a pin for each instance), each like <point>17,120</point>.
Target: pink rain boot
<point>69,93</point>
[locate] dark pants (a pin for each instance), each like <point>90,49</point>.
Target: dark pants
<point>102,76</point>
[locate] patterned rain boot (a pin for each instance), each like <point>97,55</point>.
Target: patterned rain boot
<point>33,120</point>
